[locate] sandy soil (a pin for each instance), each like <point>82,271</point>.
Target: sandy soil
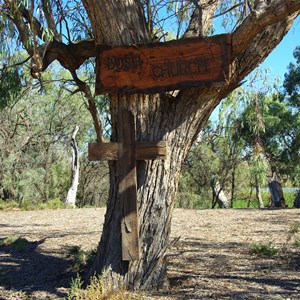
<point>211,260</point>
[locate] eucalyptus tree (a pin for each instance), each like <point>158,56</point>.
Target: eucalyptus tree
<point>34,135</point>
<point>274,144</point>
<point>291,121</point>
<point>252,122</point>
<point>292,81</point>
<point>174,117</point>
<point>214,158</point>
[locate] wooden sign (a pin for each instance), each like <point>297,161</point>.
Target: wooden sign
<point>163,66</point>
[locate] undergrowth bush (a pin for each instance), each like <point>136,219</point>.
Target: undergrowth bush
<point>263,249</point>
<point>191,200</point>
<point>294,228</point>
<point>245,199</point>
<point>297,243</point>
<point>80,258</point>
<point>99,288</point>
<point>8,205</point>
<point>289,198</point>
<point>17,243</point>
<point>8,241</point>
<point>52,204</point>
<point>31,205</point>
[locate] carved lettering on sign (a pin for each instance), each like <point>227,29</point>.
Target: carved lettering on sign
<point>127,63</point>
<point>163,66</point>
<point>178,68</point>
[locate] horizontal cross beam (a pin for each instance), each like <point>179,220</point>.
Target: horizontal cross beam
<point>144,151</point>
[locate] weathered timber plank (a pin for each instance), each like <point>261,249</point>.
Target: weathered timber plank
<point>163,66</point>
<point>144,151</point>
<point>151,150</point>
<point>103,151</point>
<point>126,165</point>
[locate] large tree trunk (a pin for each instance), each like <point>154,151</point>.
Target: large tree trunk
<point>276,192</point>
<point>157,186</point>
<point>176,118</point>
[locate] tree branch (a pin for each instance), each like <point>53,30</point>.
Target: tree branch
<point>70,56</point>
<point>50,19</point>
<point>262,16</point>
<point>201,18</point>
<point>15,15</point>
<point>83,87</point>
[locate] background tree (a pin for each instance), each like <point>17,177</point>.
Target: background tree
<point>292,81</point>
<point>174,117</point>
<point>36,122</point>
<point>256,131</point>
<point>275,141</point>
<point>290,97</point>
<point>252,123</point>
<point>212,163</point>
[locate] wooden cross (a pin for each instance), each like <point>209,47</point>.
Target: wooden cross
<point>126,152</point>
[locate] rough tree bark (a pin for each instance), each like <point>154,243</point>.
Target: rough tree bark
<point>71,196</point>
<point>297,200</point>
<point>276,192</point>
<point>176,118</point>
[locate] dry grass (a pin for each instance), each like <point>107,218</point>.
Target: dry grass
<point>211,260</point>
<point>99,288</point>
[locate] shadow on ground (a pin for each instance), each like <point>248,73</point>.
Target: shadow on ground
<point>24,268</point>
<point>201,270</point>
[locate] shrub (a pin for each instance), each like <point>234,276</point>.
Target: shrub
<point>8,204</point>
<point>295,228</point>
<point>52,204</point>
<point>80,258</point>
<point>28,205</point>
<point>267,250</point>
<point>100,288</point>
<point>289,198</point>
<point>192,201</point>
<point>240,203</point>
<point>297,243</point>
<point>8,241</point>
<point>17,243</point>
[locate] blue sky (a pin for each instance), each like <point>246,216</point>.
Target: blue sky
<point>282,55</point>
<point>279,59</point>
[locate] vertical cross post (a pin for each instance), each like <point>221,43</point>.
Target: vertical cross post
<point>126,168</point>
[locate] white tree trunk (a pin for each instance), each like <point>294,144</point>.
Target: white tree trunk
<point>258,194</point>
<point>220,195</point>
<point>71,196</point>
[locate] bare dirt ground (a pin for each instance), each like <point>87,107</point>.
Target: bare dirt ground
<point>211,260</point>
